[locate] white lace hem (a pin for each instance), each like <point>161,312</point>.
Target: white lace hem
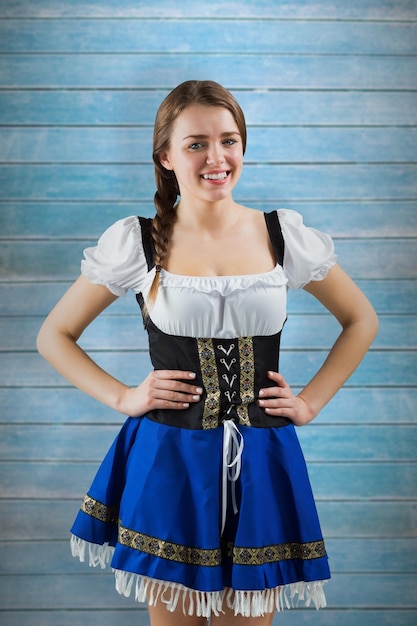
<point>202,603</point>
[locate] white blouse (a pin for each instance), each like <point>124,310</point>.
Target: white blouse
<point>211,306</point>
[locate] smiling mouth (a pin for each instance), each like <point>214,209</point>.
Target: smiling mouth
<point>219,176</point>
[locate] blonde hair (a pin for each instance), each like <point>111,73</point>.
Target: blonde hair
<point>203,92</point>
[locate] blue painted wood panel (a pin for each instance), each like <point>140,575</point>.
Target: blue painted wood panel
<point>158,71</point>
<point>329,93</point>
<point>202,36</point>
<point>296,9</point>
<point>266,107</point>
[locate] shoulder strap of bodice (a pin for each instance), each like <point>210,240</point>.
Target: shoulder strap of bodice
<point>275,234</point>
<point>147,241</point>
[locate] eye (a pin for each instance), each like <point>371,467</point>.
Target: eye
<point>195,146</point>
<point>229,142</point>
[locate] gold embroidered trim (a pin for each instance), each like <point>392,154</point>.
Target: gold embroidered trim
<point>247,372</point>
<point>210,382</point>
<point>100,511</point>
<point>168,550</point>
<point>278,552</point>
<point>213,557</point>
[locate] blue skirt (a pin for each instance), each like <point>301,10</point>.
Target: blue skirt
<point>165,510</point>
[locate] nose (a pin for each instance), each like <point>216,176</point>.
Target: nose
<point>215,155</point>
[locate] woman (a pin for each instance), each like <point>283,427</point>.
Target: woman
<point>203,502</point>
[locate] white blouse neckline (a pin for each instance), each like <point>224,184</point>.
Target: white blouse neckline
<point>223,285</point>
<point>165,272</point>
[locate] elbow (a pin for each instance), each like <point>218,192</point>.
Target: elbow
<point>372,321</point>
<point>370,325</point>
<point>365,325</point>
<point>52,341</point>
<point>46,339</point>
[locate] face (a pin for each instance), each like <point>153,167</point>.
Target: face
<point>206,153</point>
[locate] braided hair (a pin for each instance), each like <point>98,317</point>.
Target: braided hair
<point>206,93</point>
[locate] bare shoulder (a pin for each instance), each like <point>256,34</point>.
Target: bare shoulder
<point>255,225</point>
<point>252,218</point>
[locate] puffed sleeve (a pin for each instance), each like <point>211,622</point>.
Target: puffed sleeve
<point>118,260</point>
<point>309,253</point>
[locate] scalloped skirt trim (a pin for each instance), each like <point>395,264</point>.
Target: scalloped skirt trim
<point>201,603</point>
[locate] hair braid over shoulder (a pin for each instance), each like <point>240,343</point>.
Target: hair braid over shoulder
<point>163,222</point>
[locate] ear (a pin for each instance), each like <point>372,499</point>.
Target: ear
<point>165,161</point>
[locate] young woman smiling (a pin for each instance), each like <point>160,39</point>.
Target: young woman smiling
<point>203,503</point>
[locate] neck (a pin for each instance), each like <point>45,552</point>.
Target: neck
<point>213,216</point>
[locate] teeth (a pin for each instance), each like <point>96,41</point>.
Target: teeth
<point>220,176</point>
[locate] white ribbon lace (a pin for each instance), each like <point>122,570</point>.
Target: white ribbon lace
<point>232,463</point>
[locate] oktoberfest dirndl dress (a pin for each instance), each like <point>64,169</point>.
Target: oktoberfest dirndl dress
<point>211,505</point>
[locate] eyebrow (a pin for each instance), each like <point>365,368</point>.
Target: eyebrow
<point>227,134</point>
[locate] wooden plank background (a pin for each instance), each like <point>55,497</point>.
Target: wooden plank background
<point>329,92</point>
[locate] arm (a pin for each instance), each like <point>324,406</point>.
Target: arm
<point>341,296</point>
<point>57,343</point>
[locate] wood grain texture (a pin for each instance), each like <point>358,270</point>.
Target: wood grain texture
<point>329,92</point>
<point>157,71</point>
<point>270,107</point>
<point>293,9</point>
<point>201,36</point>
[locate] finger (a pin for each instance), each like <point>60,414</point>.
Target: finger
<point>174,374</point>
<point>176,396</point>
<point>161,385</point>
<point>282,390</point>
<point>174,380</point>
<point>277,410</point>
<point>280,411</point>
<point>276,392</point>
<point>286,404</point>
<point>173,406</point>
<point>277,378</point>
